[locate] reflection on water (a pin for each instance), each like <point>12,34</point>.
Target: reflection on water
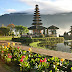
<point>64,47</point>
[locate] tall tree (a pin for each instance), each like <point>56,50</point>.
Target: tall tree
<point>21,29</point>
<point>4,31</point>
<point>11,26</point>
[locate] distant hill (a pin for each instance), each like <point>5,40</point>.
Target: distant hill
<point>62,20</point>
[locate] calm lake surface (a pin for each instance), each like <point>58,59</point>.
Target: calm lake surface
<point>64,47</point>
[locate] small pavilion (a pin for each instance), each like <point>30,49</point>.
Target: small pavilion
<point>52,30</point>
<point>37,25</point>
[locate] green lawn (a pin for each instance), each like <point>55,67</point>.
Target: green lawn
<point>7,37</point>
<point>34,44</point>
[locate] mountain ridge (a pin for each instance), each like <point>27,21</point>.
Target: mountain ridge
<point>62,20</point>
<point>33,13</point>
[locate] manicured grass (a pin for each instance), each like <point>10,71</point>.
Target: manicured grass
<point>7,37</point>
<point>34,44</point>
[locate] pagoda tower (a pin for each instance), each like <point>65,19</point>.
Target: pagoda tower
<point>36,22</point>
<point>37,17</point>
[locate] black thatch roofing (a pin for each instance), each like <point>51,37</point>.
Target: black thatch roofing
<point>38,27</point>
<point>36,23</point>
<point>53,27</point>
<point>36,11</point>
<point>37,15</point>
<point>37,20</point>
<point>36,5</point>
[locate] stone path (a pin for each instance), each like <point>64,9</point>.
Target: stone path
<point>2,68</point>
<point>58,54</point>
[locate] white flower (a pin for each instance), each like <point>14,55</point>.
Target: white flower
<point>60,64</point>
<point>54,66</point>
<point>29,55</point>
<point>36,66</point>
<point>57,69</point>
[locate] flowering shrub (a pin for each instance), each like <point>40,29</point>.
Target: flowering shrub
<point>8,57</point>
<point>29,61</point>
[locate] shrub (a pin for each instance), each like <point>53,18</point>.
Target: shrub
<point>29,61</point>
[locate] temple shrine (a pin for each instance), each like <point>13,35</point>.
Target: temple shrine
<point>37,25</point>
<point>52,29</point>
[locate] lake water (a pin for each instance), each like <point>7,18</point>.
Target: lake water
<point>64,47</point>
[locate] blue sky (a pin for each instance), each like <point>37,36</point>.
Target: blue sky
<point>46,6</point>
<point>12,5</point>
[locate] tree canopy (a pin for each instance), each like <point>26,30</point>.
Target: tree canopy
<point>11,26</point>
<point>21,29</point>
<point>4,31</point>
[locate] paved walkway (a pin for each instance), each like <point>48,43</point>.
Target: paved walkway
<point>2,68</point>
<point>58,54</point>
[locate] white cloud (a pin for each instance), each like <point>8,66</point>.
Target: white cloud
<point>51,6</point>
<point>10,10</point>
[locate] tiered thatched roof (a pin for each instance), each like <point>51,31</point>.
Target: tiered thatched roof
<point>53,27</point>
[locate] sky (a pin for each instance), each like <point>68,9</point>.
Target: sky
<point>45,6</point>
